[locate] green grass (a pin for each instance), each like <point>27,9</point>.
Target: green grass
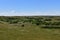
<point>28,32</point>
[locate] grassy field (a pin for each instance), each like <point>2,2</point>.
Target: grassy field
<point>28,32</point>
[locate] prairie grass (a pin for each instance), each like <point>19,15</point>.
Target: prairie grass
<point>28,32</point>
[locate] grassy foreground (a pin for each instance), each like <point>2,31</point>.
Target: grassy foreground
<point>29,32</point>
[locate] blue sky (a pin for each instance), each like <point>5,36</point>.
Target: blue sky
<point>29,7</point>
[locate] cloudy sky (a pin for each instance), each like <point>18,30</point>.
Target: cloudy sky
<point>29,7</point>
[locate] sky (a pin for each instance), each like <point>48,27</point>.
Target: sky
<point>29,7</point>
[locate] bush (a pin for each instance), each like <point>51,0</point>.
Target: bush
<point>22,25</point>
<point>37,24</point>
<point>48,20</point>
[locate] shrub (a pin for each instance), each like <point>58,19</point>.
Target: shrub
<point>37,23</point>
<point>22,25</point>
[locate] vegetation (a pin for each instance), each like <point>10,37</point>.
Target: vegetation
<point>29,27</point>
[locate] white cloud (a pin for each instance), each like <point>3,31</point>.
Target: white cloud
<point>14,13</point>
